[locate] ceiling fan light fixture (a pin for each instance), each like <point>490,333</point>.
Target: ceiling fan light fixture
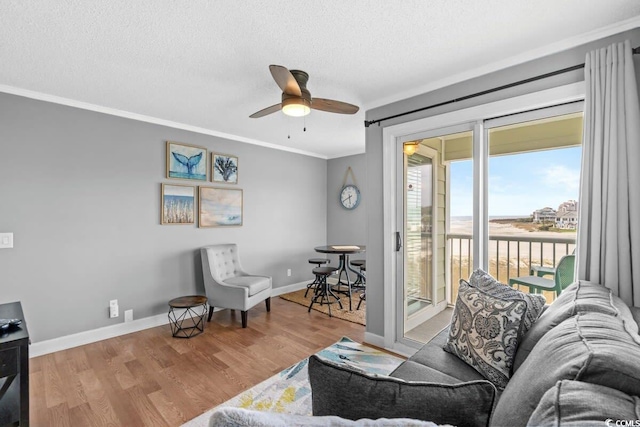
<point>409,148</point>
<point>295,107</point>
<point>296,98</point>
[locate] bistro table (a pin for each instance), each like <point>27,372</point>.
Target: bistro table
<point>344,251</point>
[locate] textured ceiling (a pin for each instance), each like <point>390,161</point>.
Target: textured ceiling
<point>205,63</point>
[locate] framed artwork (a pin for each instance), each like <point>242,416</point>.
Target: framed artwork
<point>178,204</point>
<point>220,207</point>
<point>186,161</point>
<point>224,168</point>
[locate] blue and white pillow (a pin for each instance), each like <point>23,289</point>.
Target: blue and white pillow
<point>485,331</point>
<point>535,303</point>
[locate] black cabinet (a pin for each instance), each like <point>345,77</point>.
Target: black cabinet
<point>14,369</point>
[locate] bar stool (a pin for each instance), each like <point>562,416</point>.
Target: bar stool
<point>363,280</point>
<point>323,289</point>
<point>360,279</point>
<point>319,262</point>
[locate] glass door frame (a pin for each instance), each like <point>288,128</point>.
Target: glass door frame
<point>392,140</point>
<point>401,262</point>
<point>433,305</point>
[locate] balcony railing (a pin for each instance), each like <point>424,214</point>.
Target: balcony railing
<point>509,256</point>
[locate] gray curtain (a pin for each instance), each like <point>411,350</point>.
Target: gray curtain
<point>609,221</point>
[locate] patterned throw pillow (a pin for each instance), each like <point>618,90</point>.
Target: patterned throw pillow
<point>484,332</point>
<point>535,303</point>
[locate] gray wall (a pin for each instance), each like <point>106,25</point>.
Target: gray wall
<point>375,273</point>
<point>346,227</point>
<point>81,192</point>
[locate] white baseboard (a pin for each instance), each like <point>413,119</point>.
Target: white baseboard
<point>290,288</point>
<point>397,348</point>
<point>87,337</point>
<point>94,335</point>
<point>374,339</point>
<point>403,350</point>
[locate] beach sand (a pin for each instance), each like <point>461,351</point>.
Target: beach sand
<point>507,258</point>
<point>549,252</point>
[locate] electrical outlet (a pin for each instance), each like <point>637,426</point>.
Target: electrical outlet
<point>6,240</point>
<point>288,272</point>
<point>113,308</point>
<point>128,315</point>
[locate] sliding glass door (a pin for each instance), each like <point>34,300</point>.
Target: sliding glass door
<point>420,293</point>
<point>516,157</point>
<point>422,217</point>
<point>470,197</point>
<point>532,193</point>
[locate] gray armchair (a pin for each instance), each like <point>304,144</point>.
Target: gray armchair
<point>227,285</point>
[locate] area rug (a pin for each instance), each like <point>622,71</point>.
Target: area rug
<point>355,316</point>
<point>289,391</point>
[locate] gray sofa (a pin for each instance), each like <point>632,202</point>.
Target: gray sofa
<point>578,365</point>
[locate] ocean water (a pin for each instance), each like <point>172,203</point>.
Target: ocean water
<point>186,200</point>
<point>185,175</point>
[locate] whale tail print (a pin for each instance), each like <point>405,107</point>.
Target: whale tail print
<point>189,162</point>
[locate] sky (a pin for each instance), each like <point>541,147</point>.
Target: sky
<point>520,183</point>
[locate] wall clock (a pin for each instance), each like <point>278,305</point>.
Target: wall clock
<point>350,197</point>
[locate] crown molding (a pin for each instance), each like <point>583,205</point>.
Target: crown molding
<point>527,56</point>
<point>560,46</point>
<point>147,119</point>
<point>347,153</point>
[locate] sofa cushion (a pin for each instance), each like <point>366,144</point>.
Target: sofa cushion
<point>576,403</point>
<point>484,332</point>
<point>592,347</point>
<point>238,417</point>
<point>435,357</point>
<point>413,371</point>
<point>535,303</point>
<point>255,284</point>
<point>338,390</point>
<point>581,296</point>
<point>635,312</point>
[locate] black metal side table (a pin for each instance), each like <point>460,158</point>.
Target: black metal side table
<point>186,315</point>
<point>14,369</point>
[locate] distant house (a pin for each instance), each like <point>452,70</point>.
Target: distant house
<point>567,220</point>
<point>567,215</point>
<point>544,215</point>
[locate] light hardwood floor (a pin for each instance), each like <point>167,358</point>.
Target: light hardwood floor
<point>149,378</point>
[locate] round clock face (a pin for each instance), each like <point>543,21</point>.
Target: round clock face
<point>350,196</point>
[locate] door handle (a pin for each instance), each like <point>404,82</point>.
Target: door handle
<point>398,241</point>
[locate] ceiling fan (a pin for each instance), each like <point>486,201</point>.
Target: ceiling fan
<point>296,98</point>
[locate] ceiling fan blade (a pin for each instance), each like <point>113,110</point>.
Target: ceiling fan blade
<point>285,80</point>
<point>266,111</point>
<point>333,106</point>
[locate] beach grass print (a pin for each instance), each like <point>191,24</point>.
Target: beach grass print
<point>224,168</point>
<point>186,161</point>
<point>177,204</point>
<point>220,207</point>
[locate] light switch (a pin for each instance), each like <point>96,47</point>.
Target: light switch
<point>6,240</point>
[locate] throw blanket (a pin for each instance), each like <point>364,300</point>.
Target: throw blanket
<point>238,417</point>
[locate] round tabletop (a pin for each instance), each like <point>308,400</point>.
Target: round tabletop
<point>340,249</point>
<point>188,301</point>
